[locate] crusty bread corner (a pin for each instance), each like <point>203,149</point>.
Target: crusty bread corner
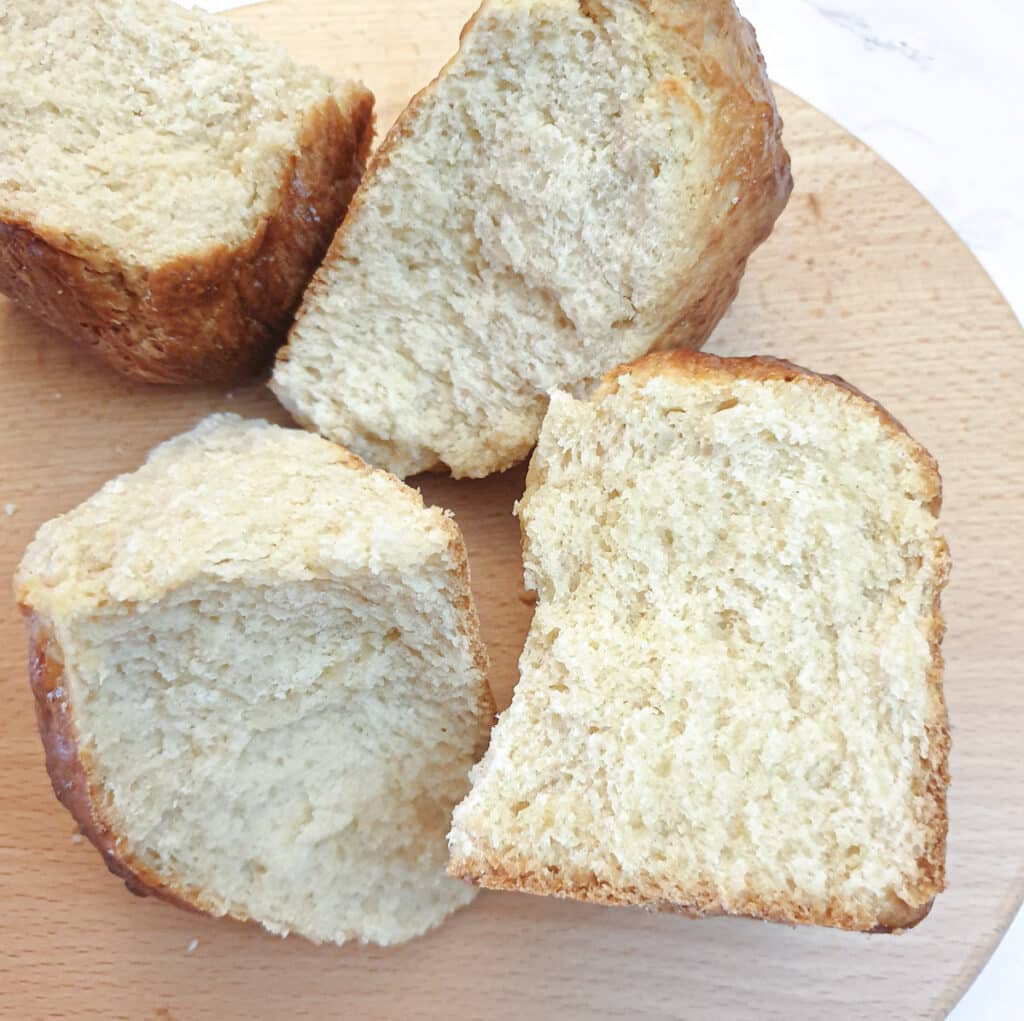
<point>713,69</point>
<point>751,159</point>
<point>491,869</point>
<point>69,770</point>
<point>215,316</point>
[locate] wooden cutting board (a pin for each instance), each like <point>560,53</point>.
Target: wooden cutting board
<point>861,278</point>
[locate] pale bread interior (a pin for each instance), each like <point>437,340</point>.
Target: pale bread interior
<point>275,677</point>
<point>526,226</point>
<point>143,130</point>
<point>725,699</point>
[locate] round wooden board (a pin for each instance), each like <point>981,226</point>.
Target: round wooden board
<point>861,278</point>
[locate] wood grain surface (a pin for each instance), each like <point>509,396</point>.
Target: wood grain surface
<point>861,278</point>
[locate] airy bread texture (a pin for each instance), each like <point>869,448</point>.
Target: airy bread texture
<point>260,683</point>
<point>168,182</point>
<point>582,183</point>
<point>730,697</point>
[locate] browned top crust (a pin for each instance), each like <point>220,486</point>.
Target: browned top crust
<point>218,315</point>
<point>754,167</point>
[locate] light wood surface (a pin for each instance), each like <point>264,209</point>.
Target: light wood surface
<point>861,278</point>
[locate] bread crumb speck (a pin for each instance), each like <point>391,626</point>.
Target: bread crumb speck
<point>10,508</point>
<point>192,945</point>
<point>57,395</point>
<point>76,838</point>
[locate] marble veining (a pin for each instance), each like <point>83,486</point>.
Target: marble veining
<point>862,29</point>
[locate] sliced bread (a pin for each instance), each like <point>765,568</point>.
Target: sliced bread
<point>168,182</point>
<point>731,697</point>
<point>583,182</point>
<point>260,684</point>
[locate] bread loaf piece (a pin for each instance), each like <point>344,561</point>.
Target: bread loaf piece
<point>260,684</point>
<point>730,698</point>
<point>582,183</point>
<point>168,182</point>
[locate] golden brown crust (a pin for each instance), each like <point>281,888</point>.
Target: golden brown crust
<point>68,766</point>
<point>495,870</point>
<point>754,179</point>
<point>487,870</point>
<point>216,316</point>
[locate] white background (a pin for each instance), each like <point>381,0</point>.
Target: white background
<point>937,88</point>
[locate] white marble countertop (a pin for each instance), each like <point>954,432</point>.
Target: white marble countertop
<point>937,88</point>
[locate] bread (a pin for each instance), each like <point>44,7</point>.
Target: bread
<point>582,183</point>
<point>730,697</point>
<point>168,182</point>
<point>260,684</point>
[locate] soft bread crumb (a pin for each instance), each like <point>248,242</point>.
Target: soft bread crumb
<point>730,696</point>
<point>271,665</point>
<point>583,182</point>
<point>193,944</point>
<point>153,130</point>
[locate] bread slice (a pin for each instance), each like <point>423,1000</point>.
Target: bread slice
<point>730,697</point>
<point>260,683</point>
<point>168,182</point>
<point>582,183</point>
